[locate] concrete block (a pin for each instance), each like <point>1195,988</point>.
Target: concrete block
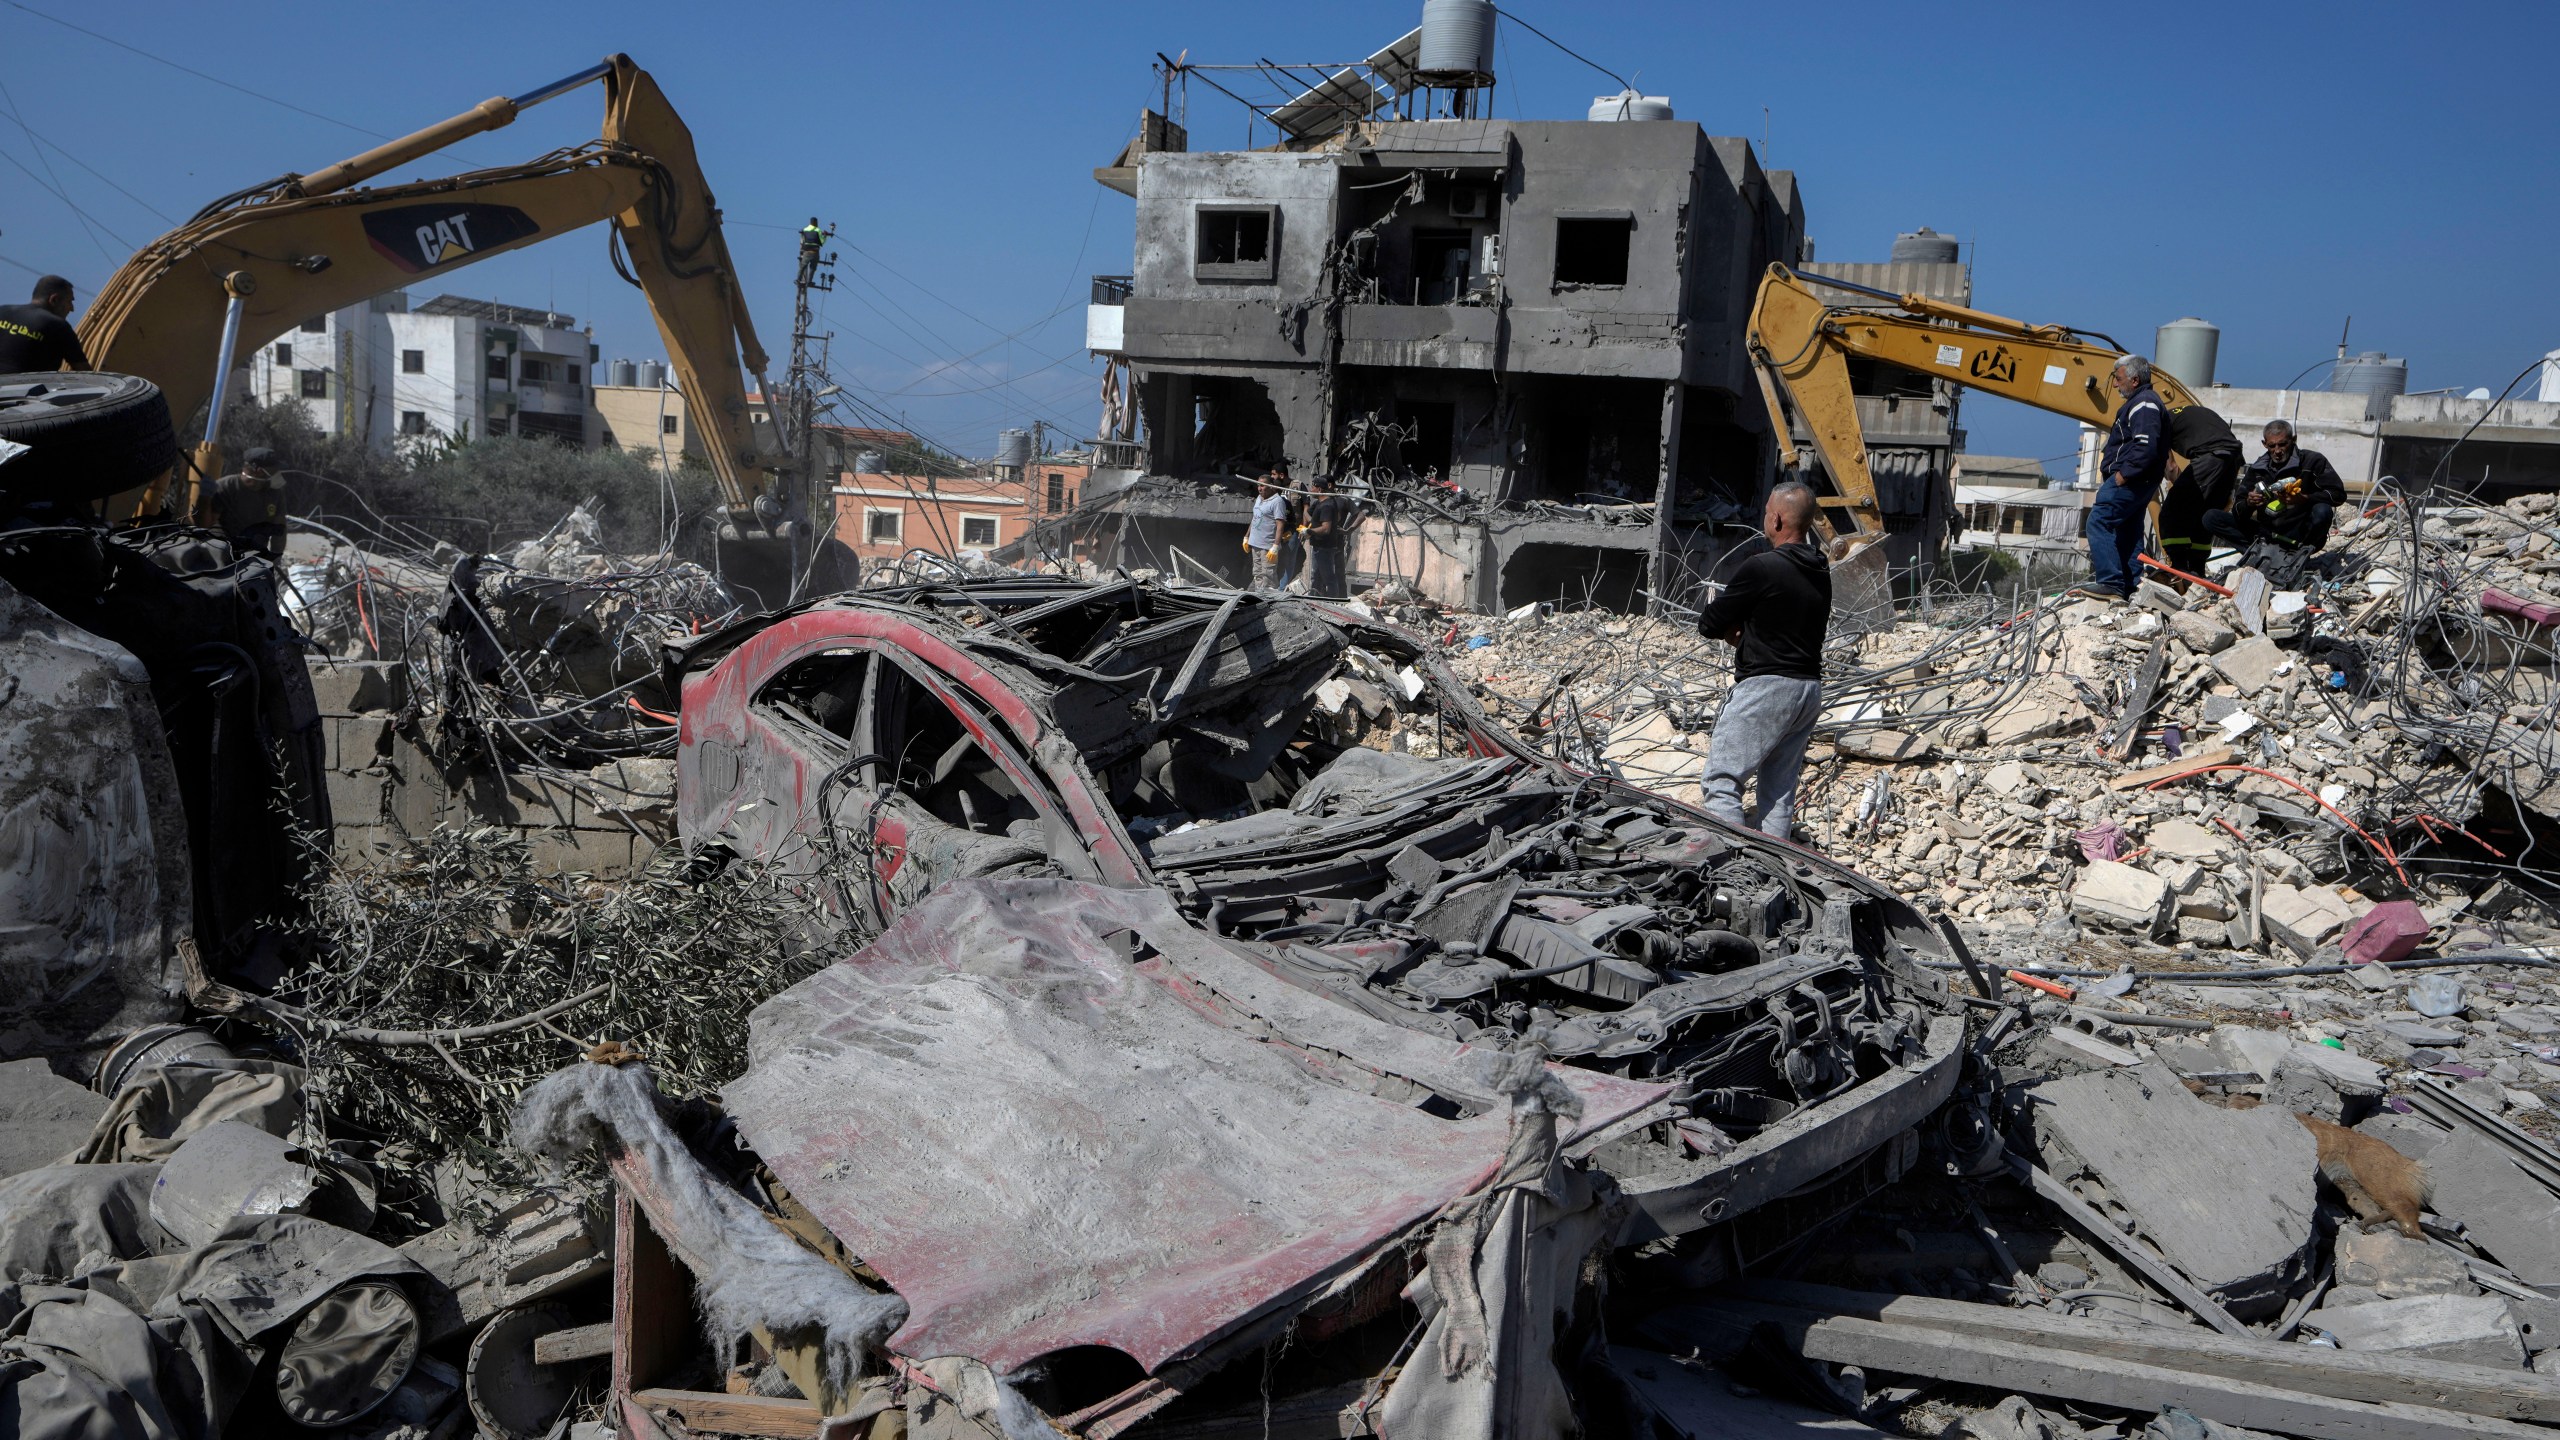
<point>2505,1211</point>
<point>2187,840</point>
<point>2331,1084</point>
<point>2466,1329</point>
<point>2122,896</point>
<point>603,854</point>
<point>2251,664</point>
<point>2392,1265</point>
<point>2537,1321</point>
<point>354,742</point>
<point>2303,920</point>
<point>357,800</point>
<point>2421,1035</point>
<point>2227,1196</point>
<point>2013,781</point>
<point>43,1117</point>
<point>2153,595</point>
<point>356,687</point>
<point>2202,1065</point>
<point>1885,747</point>
<point>2250,1048</point>
<point>2388,931</point>
<point>2201,633</point>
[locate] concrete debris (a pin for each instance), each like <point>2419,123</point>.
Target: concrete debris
<point>2471,1329</point>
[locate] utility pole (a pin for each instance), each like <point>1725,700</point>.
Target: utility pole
<point>796,416</point>
<point>1033,497</point>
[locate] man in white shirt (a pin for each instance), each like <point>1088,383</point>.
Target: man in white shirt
<point>1269,532</point>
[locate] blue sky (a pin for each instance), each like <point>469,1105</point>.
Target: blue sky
<point>2271,167</point>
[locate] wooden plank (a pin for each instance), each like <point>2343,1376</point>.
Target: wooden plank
<point>2374,1377</point>
<point>739,1414</point>
<point>2193,760</point>
<point>2009,1365</point>
<point>652,1300</point>
<point>2130,1250</point>
<point>579,1342</point>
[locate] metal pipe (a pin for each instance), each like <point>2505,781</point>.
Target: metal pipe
<point>490,114</point>
<point>563,85</point>
<point>240,287</point>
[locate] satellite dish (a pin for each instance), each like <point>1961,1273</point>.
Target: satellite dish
<point>2478,393</point>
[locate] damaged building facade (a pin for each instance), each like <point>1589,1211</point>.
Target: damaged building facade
<point>1523,338</point>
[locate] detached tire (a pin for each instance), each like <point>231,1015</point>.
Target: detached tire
<point>88,435</point>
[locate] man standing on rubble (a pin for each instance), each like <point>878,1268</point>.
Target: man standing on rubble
<point>2137,455</point>
<point>1775,611</point>
<point>2213,462</point>
<point>1270,527</point>
<point>2288,494</point>
<point>249,505</point>
<point>1328,531</point>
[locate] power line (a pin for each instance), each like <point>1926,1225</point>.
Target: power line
<point>58,191</point>
<point>71,204</point>
<point>1550,39</point>
<point>191,70</point>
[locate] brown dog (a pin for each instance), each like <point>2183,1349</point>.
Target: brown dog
<point>2379,1183</point>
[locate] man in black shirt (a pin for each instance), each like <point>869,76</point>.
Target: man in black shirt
<point>2288,493</point>
<point>1775,611</point>
<point>38,335</point>
<point>1328,531</point>
<point>2213,461</point>
<point>250,505</point>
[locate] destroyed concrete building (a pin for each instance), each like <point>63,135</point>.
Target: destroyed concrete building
<point>1544,316</point>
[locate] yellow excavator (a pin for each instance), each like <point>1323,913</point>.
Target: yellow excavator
<point>1801,346</point>
<point>198,301</point>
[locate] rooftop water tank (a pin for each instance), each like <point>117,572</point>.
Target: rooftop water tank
<point>625,373</point>
<point>1628,105</point>
<point>2375,376</point>
<point>1457,43</point>
<point>1925,246</point>
<point>2186,348</point>
<point>1013,448</point>
<point>653,374</point>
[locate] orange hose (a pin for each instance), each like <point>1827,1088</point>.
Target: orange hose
<point>645,710</point>
<point>2223,591</point>
<point>2378,847</point>
<point>2059,992</point>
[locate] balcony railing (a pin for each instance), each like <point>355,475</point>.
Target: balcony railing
<point>1113,289</point>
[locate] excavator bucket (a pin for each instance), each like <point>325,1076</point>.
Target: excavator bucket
<point>1861,587</point>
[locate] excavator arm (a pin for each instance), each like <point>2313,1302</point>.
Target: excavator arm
<point>200,300</point>
<point>1801,347</point>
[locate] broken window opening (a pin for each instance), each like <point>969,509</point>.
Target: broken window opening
<point>1593,251</point>
<point>1443,262</point>
<point>1236,243</point>
<point>284,355</point>
<point>884,527</point>
<point>315,384</point>
<point>316,325</point>
<point>978,532</point>
<point>413,422</point>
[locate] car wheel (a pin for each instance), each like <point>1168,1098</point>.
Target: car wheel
<point>87,435</point>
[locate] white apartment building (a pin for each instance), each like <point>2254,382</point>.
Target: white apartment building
<point>451,367</point>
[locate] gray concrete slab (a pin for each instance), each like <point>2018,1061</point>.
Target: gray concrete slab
<point>2510,1214</point>
<point>2226,1196</point>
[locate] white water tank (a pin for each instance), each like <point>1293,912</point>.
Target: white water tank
<point>1628,105</point>
<point>2375,376</point>
<point>1457,43</point>
<point>2187,348</point>
<point>625,374</point>
<point>1013,448</point>
<point>653,374</point>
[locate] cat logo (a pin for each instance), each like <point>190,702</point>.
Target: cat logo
<point>1996,365</point>
<point>419,238</point>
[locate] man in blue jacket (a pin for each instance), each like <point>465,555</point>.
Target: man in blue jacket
<point>2129,473</point>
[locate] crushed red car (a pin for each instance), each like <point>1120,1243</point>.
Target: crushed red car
<point>1317,789</point>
